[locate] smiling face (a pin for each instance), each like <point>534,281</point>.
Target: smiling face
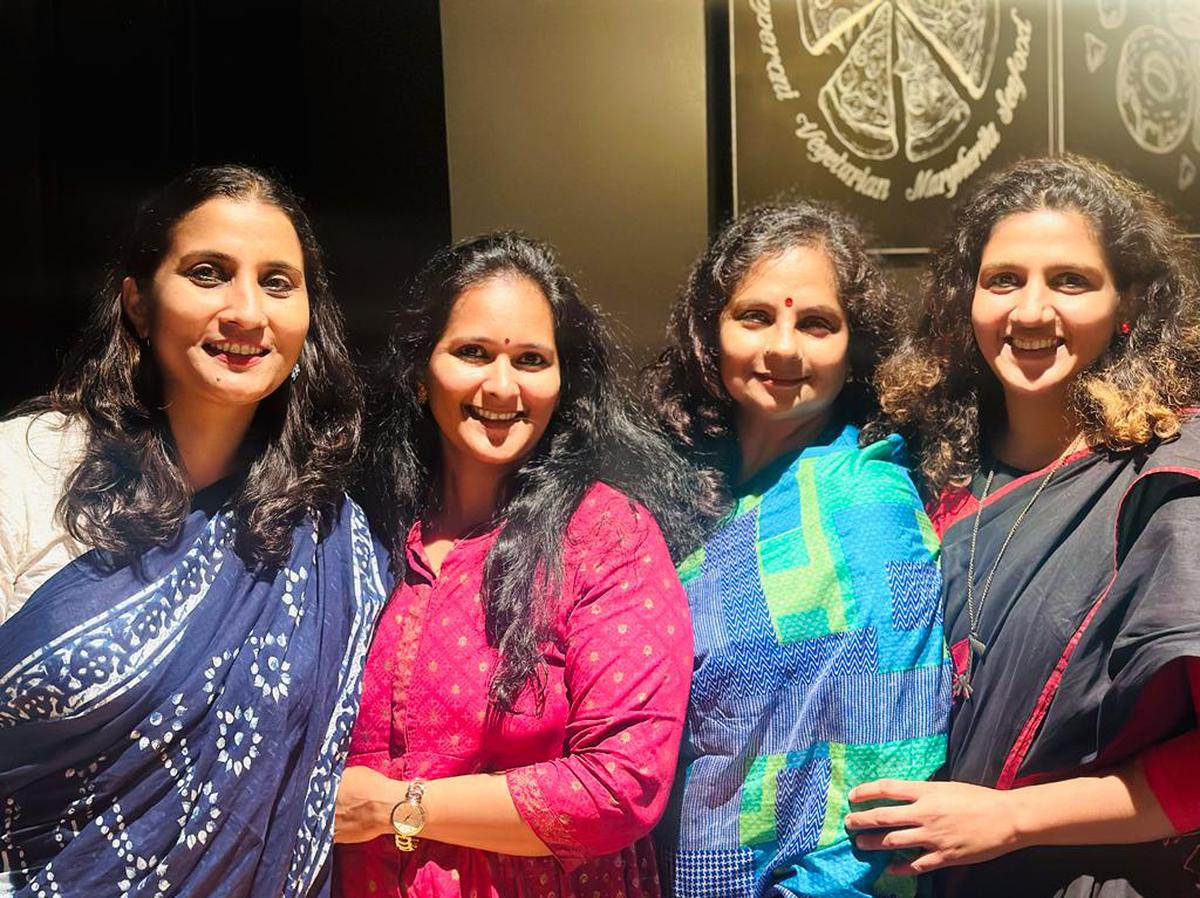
<point>784,340</point>
<point>1046,304</point>
<point>494,375</point>
<point>227,311</point>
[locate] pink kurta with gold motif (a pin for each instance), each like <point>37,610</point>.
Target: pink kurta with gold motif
<point>591,773</point>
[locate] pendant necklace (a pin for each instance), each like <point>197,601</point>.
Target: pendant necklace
<point>976,647</point>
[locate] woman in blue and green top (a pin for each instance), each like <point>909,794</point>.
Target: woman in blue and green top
<point>820,659</point>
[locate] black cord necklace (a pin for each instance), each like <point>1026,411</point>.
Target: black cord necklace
<point>976,647</point>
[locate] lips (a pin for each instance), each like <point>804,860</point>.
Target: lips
<point>487,416</point>
<point>236,354</point>
<point>1033,344</point>
<point>782,383</point>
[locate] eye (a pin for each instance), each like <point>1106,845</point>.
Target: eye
<point>532,360</point>
<point>1072,282</point>
<point>471,352</point>
<point>279,284</point>
<point>817,323</point>
<point>1002,280</point>
<point>205,274</point>
<point>754,316</point>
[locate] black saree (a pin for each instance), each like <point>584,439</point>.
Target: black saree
<point>1096,594</point>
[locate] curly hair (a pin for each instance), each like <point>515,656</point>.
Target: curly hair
<point>130,491</point>
<point>595,434</point>
<point>937,389</point>
<point>686,392</point>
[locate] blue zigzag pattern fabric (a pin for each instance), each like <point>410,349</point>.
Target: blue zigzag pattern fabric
<point>820,663</point>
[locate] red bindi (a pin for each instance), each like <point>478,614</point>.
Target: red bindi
<point>788,302</point>
<point>506,341</point>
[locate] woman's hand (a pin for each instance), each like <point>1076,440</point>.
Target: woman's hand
<point>942,824</point>
<point>365,800</point>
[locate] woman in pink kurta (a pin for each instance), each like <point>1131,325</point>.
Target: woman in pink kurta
<point>548,789</point>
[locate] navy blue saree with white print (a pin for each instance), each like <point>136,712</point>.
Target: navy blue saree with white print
<point>177,727</point>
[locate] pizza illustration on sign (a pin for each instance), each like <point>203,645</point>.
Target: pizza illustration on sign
<point>940,51</point>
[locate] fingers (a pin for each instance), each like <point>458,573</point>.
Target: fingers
<point>925,863</point>
<point>890,790</point>
<point>885,818</point>
<point>893,840</point>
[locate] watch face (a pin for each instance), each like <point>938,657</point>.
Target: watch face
<point>408,819</point>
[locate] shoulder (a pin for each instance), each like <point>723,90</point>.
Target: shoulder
<point>607,517</point>
<point>610,531</point>
<point>38,452</point>
<point>878,472</point>
<point>1182,453</point>
<point>1165,489</point>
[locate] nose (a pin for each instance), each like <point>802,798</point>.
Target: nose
<point>782,342</point>
<point>501,381</point>
<point>1034,305</point>
<point>245,308</point>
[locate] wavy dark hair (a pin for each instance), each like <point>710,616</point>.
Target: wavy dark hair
<point>130,492</point>
<point>595,434</point>
<point>938,389</point>
<point>686,391</point>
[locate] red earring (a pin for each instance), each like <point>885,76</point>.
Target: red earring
<point>1126,327</point>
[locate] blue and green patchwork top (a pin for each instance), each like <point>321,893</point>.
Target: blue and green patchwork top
<point>820,664</point>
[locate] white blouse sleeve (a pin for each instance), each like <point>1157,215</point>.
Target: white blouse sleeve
<point>37,455</point>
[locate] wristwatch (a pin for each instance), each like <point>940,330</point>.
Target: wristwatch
<point>409,817</point>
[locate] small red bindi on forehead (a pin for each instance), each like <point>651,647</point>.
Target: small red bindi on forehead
<point>506,341</point>
<point>788,302</point>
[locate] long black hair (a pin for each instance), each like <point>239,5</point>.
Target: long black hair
<point>685,387</point>
<point>130,492</point>
<point>595,434</point>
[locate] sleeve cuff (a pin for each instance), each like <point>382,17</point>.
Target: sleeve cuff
<point>1174,777</point>
<point>552,827</point>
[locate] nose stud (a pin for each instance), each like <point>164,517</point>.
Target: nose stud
<point>788,302</point>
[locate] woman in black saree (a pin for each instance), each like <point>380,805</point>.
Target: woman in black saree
<point>186,593</point>
<point>1047,389</point>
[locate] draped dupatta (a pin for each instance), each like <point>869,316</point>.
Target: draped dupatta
<point>178,726</point>
<point>1097,592</point>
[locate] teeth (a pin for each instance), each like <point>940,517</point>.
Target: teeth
<point>495,416</point>
<point>238,348</point>
<point>1029,345</point>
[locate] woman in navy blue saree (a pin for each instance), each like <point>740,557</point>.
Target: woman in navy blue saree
<point>189,594</point>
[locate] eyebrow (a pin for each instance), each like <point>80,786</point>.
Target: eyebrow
<point>225,257</point>
<point>800,306</point>
<point>1089,270</point>
<point>515,345</point>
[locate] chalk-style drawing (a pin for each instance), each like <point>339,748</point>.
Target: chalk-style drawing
<point>963,32</point>
<point>1183,19</point>
<point>943,52</point>
<point>1196,102</point>
<point>934,113</point>
<point>1155,89</point>
<point>1187,172</point>
<point>858,100</point>
<point>824,23</point>
<point>1112,13</point>
<point>1094,51</point>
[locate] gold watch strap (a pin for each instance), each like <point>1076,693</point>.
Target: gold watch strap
<point>412,796</point>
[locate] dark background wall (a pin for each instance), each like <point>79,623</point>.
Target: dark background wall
<point>103,100</point>
<point>585,123</point>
